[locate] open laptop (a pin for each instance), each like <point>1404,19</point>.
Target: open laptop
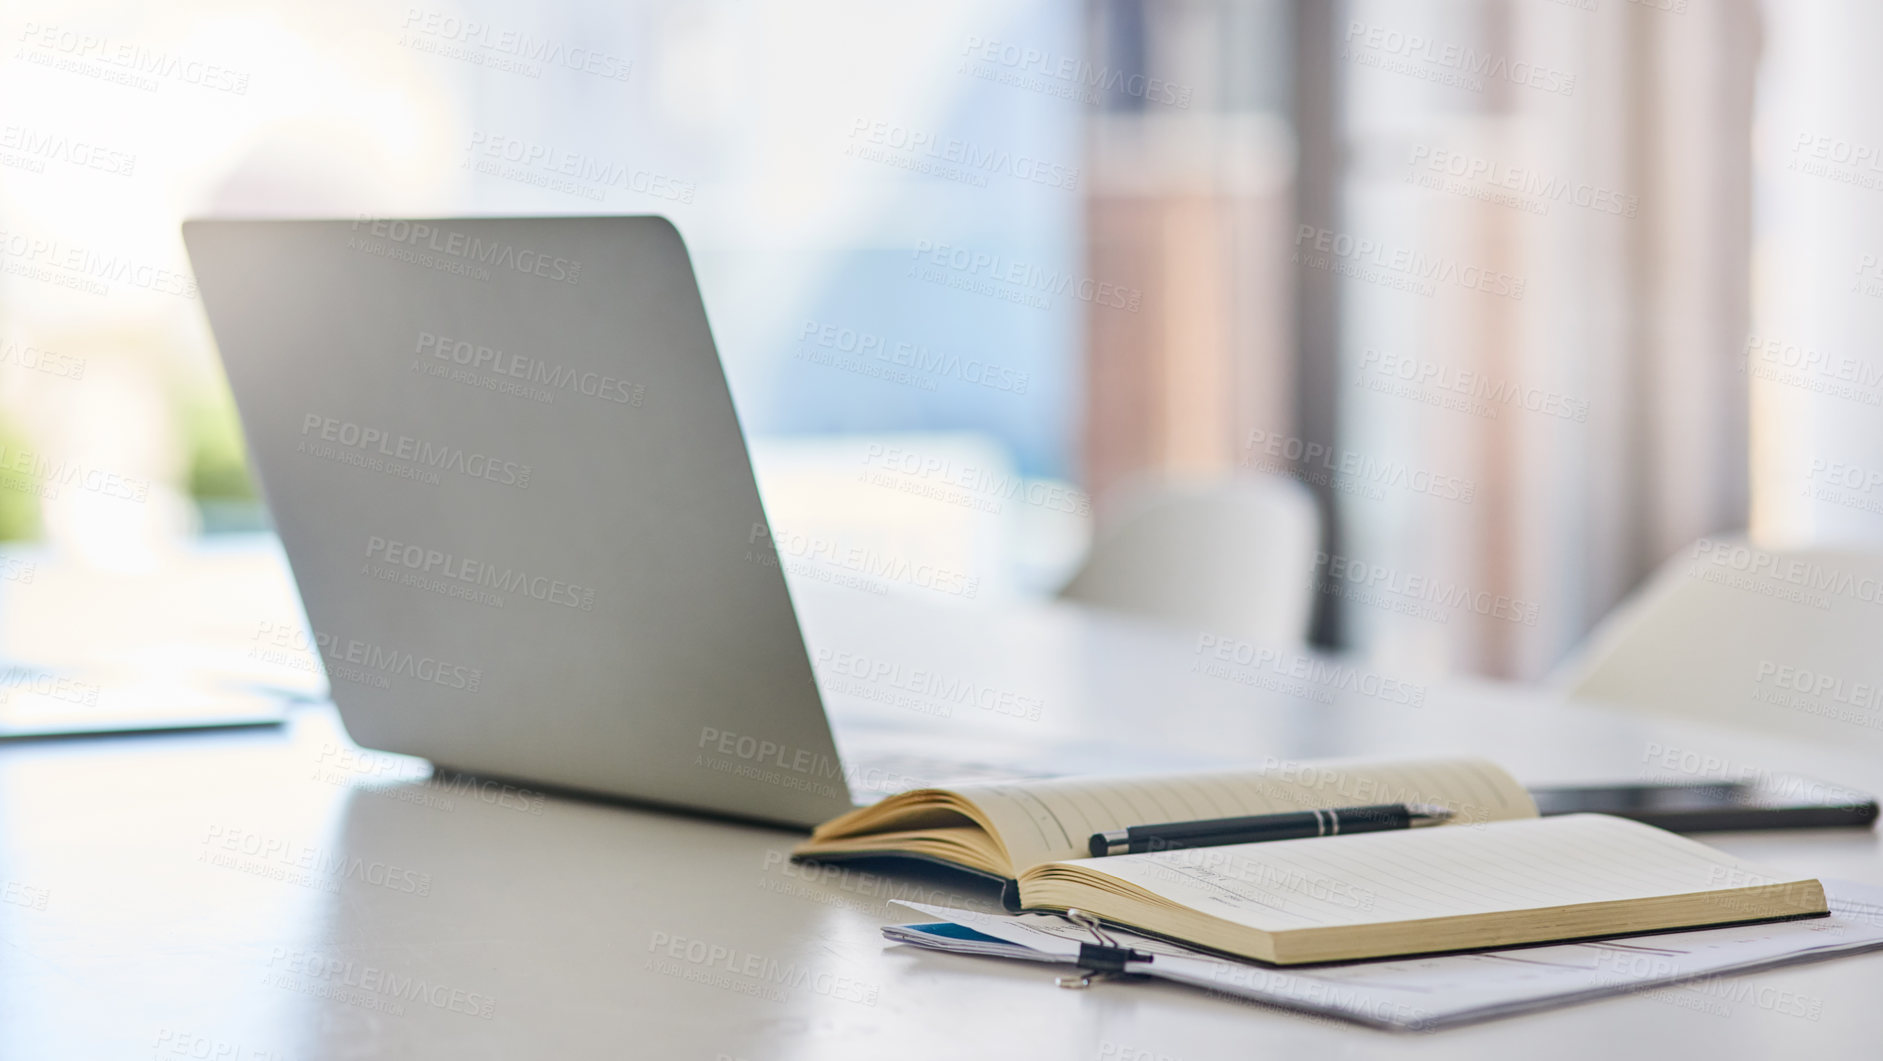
<point>505,465</point>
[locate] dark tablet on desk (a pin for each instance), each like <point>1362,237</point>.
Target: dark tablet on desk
<point>1769,802</point>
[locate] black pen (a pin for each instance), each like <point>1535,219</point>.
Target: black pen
<point>1294,825</point>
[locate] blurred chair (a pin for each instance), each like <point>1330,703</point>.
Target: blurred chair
<point>1783,641</point>
<point>1228,557</point>
<point>936,515</point>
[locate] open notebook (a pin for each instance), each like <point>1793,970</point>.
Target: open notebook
<point>1495,875</point>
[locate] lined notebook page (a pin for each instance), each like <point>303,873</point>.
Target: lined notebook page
<point>1373,878</point>
<point>1052,820</point>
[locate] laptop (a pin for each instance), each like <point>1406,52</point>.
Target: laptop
<point>505,465</point>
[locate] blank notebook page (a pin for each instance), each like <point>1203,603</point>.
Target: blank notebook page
<point>1411,874</point>
<point>1041,821</point>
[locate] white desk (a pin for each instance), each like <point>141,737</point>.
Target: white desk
<point>121,936</point>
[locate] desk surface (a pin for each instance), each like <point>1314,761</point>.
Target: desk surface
<point>277,894</point>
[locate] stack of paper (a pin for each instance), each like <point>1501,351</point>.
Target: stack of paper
<point>1430,992</point>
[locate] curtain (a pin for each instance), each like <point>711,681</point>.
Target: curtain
<point>1502,280</point>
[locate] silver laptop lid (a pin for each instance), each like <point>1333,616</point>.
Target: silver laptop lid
<point>505,465</point>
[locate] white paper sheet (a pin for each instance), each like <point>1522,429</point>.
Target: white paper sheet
<point>1416,993</point>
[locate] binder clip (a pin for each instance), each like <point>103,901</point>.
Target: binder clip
<point>1097,960</point>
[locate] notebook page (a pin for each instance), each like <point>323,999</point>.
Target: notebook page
<point>1411,874</point>
<point>1052,820</point>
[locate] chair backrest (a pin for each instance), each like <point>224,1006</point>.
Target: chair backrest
<point>1787,641</point>
<point>1232,557</point>
<point>930,511</point>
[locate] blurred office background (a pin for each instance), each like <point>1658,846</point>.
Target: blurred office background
<point>1528,295</point>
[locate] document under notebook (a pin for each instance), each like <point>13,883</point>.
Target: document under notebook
<point>1495,875</point>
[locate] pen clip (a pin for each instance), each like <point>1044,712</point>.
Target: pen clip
<point>1100,960</point>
